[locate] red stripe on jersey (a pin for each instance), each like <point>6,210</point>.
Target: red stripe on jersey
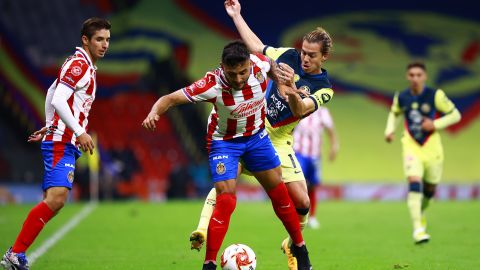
<point>211,130</point>
<point>227,98</point>
<point>74,73</point>
<point>247,92</point>
<point>231,129</point>
<point>91,86</point>
<point>250,125</point>
<point>68,133</point>
<point>262,57</point>
<point>201,85</point>
<point>58,152</point>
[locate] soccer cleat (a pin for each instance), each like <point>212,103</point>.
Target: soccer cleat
<point>313,223</point>
<point>14,261</point>
<point>301,253</point>
<point>209,266</point>
<point>291,260</point>
<point>420,236</point>
<point>197,238</point>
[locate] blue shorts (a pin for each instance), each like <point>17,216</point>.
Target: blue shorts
<point>256,152</point>
<point>311,168</point>
<point>59,161</point>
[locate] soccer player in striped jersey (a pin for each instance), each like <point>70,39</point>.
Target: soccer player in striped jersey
<point>236,131</point>
<point>308,140</point>
<point>67,107</point>
<point>422,148</point>
<point>283,114</point>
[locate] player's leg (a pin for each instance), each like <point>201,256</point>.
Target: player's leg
<point>199,235</point>
<point>414,170</point>
<point>432,177</point>
<point>59,161</point>
<point>223,159</point>
<point>262,161</point>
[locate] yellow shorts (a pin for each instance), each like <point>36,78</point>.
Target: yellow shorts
<point>291,169</point>
<point>424,161</point>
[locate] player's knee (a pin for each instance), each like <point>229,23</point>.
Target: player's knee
<point>415,186</point>
<point>303,203</point>
<point>303,211</point>
<point>429,192</point>
<point>55,204</point>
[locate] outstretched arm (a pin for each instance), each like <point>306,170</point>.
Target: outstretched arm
<point>161,106</point>
<point>254,44</point>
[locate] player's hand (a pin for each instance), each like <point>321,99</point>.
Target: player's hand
<point>427,124</point>
<point>232,7</point>
<point>149,122</point>
<point>333,153</point>
<point>86,143</point>
<point>37,135</point>
<point>389,138</point>
<point>286,74</point>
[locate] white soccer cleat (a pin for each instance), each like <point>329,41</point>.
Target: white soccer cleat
<point>420,236</point>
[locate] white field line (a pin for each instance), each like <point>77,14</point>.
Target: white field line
<point>52,240</point>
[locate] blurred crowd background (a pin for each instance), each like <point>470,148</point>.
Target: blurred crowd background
<point>160,46</point>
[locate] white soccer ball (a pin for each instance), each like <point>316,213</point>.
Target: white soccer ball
<point>238,257</point>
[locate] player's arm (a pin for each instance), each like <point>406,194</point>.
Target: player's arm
<point>332,135</point>
<point>49,110</point>
<point>60,103</point>
<point>162,105</point>
<point>254,44</point>
<point>451,115</point>
<point>394,117</point>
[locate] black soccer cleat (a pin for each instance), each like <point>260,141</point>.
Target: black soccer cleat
<point>301,253</point>
<point>209,266</point>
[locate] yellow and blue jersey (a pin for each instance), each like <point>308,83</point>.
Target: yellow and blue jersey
<point>416,107</point>
<point>279,115</point>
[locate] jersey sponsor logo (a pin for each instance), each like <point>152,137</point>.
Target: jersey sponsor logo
<point>70,165</point>
<point>326,98</point>
<point>68,78</point>
<point>87,105</point>
<point>70,176</point>
<point>200,83</point>
<point>247,109</point>
<point>260,77</point>
<point>275,107</point>
<point>76,71</point>
<point>221,169</point>
<point>220,157</point>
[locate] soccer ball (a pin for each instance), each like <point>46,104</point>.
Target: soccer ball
<point>238,257</point>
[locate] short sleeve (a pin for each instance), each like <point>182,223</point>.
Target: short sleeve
<point>274,53</point>
<point>202,90</point>
<point>443,103</point>
<point>73,73</point>
<point>262,61</point>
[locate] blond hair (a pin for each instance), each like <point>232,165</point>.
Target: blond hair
<point>322,37</point>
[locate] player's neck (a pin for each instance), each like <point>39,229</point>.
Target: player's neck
<point>417,90</point>
<point>94,60</point>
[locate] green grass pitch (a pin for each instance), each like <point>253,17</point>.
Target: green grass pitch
<point>354,235</point>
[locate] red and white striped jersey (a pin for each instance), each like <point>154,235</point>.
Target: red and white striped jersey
<point>307,136</point>
<point>236,112</point>
<point>79,74</point>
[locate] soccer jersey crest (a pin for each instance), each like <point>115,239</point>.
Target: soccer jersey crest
<point>260,77</point>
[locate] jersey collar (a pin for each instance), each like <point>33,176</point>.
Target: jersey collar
<point>86,56</point>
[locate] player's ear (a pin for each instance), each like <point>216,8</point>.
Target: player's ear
<point>84,40</point>
<point>324,57</point>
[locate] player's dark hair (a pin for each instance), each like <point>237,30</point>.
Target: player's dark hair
<point>234,53</point>
<point>417,64</point>
<point>91,25</point>
<point>322,37</point>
